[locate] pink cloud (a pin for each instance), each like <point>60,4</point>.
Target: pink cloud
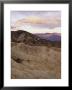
<point>50,21</point>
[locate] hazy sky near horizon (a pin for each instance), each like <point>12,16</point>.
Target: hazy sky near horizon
<point>36,21</point>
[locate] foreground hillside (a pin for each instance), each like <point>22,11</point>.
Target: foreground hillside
<point>36,59</point>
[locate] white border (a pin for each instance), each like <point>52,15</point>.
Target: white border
<point>64,8</point>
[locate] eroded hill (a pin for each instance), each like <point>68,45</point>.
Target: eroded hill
<point>33,57</point>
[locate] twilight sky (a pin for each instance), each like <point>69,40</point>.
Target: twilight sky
<point>36,21</point>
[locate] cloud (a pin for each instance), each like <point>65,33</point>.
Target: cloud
<point>32,29</point>
<point>50,22</point>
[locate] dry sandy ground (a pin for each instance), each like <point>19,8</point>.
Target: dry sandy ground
<point>35,62</point>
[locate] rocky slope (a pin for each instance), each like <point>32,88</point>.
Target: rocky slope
<point>33,57</point>
<point>32,39</point>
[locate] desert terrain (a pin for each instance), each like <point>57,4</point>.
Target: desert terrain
<point>33,57</point>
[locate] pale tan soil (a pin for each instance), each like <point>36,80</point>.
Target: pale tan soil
<point>35,62</point>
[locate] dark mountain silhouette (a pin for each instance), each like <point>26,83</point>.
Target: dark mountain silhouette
<point>31,39</point>
<point>50,36</point>
<point>54,38</point>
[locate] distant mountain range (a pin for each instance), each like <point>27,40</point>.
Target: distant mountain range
<point>50,36</point>
<point>36,39</point>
